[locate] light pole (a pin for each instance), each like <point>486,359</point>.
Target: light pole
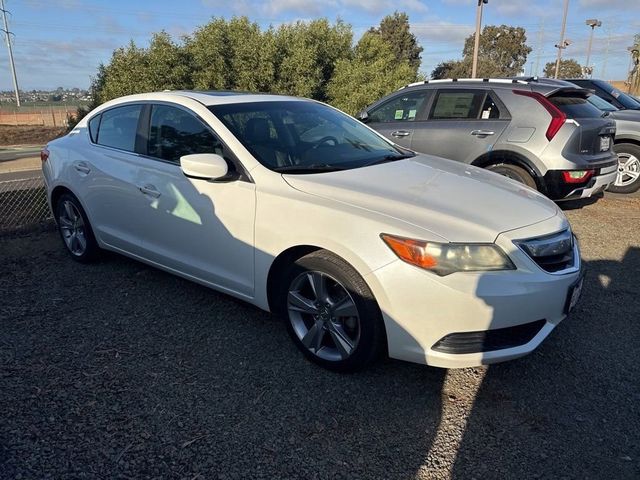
<point>476,46</point>
<point>563,43</point>
<point>593,23</point>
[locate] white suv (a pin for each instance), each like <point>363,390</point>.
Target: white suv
<point>300,209</point>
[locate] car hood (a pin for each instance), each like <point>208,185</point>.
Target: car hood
<point>455,201</point>
<point>630,115</point>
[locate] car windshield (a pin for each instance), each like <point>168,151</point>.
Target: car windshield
<point>601,103</point>
<point>305,137</point>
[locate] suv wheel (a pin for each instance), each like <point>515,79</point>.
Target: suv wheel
<point>331,313</point>
<point>514,172</point>
<point>628,179</point>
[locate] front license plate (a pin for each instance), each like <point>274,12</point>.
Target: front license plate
<point>573,295</point>
<point>605,143</point>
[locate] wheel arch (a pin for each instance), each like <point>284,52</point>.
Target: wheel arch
<point>278,268</point>
<point>631,140</point>
<point>513,158</point>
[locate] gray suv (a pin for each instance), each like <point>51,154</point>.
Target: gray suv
<point>548,137</point>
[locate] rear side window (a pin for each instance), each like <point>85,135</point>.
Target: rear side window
<point>575,106</point>
<point>118,127</point>
<point>173,132</point>
<point>457,104</point>
<point>94,124</point>
<point>403,108</point>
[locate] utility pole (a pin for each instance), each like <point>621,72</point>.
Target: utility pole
<point>476,46</point>
<point>606,53</point>
<point>539,47</point>
<point>13,67</point>
<point>563,43</point>
<point>593,23</point>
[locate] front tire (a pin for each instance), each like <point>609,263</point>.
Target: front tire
<point>75,229</point>
<point>514,172</point>
<point>331,314</point>
<point>628,179</point>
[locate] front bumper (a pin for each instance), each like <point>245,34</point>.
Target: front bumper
<point>421,309</point>
<point>558,189</point>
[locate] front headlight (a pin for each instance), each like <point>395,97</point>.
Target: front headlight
<point>446,258</point>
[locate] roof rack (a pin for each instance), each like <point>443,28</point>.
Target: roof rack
<point>478,80</point>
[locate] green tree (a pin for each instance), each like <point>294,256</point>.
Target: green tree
<point>450,69</point>
<point>306,54</point>
<point>395,30</point>
<point>373,72</point>
<point>569,68</point>
<point>231,55</point>
<point>502,52</point>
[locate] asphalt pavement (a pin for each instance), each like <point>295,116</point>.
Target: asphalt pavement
<point>118,370</point>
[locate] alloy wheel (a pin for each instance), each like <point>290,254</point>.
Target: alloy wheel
<point>628,170</point>
<point>72,228</point>
<point>323,315</point>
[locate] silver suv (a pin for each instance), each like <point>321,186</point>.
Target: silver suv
<point>548,137</point>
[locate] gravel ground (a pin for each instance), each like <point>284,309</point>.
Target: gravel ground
<point>117,370</point>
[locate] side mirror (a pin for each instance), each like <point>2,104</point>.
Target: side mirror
<point>209,166</point>
<point>363,116</point>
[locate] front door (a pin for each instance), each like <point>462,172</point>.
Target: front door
<point>199,228</point>
<point>395,118</point>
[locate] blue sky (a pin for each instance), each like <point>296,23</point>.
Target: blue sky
<point>61,42</point>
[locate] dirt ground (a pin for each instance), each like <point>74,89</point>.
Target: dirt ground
<point>118,370</point>
<point>28,135</point>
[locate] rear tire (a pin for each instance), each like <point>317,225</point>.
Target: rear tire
<point>514,172</point>
<point>331,314</point>
<point>75,229</point>
<point>628,168</point>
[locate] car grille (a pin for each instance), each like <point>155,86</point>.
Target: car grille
<point>553,253</point>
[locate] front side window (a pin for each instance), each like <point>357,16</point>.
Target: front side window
<point>118,127</point>
<point>173,132</point>
<point>304,136</point>
<point>457,104</point>
<point>402,108</point>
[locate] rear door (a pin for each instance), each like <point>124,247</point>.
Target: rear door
<point>395,118</point>
<point>462,124</point>
<point>106,178</point>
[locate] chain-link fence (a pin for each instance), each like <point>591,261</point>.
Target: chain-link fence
<point>23,204</point>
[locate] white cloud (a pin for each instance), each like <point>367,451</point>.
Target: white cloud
<point>441,31</point>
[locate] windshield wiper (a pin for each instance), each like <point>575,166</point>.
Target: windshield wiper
<point>319,167</point>
<point>390,158</point>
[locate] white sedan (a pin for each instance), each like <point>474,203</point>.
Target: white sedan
<point>362,246</point>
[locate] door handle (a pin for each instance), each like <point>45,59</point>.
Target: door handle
<point>149,190</point>
<point>482,133</point>
<point>82,167</point>
<point>400,133</point>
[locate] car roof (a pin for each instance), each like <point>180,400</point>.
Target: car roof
<point>504,83</point>
<point>213,97</point>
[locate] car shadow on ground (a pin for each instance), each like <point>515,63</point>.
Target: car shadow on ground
<point>577,427</point>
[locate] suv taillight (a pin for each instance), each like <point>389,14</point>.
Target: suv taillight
<point>557,116</point>
<point>44,155</point>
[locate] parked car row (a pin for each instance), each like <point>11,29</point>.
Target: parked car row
<point>362,245</point>
<point>551,135</point>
